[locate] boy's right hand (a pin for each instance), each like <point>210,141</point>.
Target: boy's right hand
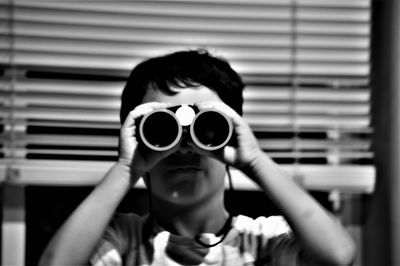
<point>138,159</point>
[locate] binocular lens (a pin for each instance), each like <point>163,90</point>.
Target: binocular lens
<point>160,130</point>
<point>211,130</point>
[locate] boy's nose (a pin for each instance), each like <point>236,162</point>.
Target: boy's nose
<point>184,148</point>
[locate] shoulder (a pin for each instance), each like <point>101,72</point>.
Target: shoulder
<point>268,240</point>
<point>124,233</point>
<point>127,225</point>
<point>127,220</point>
<point>263,240</point>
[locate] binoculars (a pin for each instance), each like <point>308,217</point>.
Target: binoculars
<point>161,130</point>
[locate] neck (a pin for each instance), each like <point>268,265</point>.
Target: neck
<point>204,217</point>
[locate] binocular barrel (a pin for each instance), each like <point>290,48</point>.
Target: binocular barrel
<point>162,129</point>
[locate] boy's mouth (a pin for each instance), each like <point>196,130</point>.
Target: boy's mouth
<point>185,169</point>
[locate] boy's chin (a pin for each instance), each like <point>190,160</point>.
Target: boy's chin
<point>186,197</point>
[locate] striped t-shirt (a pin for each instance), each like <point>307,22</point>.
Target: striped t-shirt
<point>133,240</point>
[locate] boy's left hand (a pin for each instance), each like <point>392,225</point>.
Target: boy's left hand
<point>247,148</point>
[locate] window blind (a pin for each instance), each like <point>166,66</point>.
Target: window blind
<point>305,64</point>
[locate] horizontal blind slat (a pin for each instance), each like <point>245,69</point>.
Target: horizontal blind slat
<point>356,179</point>
<point>158,22</point>
<point>172,8</point>
<point>112,141</point>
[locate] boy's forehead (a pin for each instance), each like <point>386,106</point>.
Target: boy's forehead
<point>188,95</point>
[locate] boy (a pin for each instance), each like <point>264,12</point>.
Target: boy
<point>188,223</point>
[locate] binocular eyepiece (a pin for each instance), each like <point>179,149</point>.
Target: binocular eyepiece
<point>161,130</point>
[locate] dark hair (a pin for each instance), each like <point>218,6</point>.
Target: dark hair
<point>183,69</point>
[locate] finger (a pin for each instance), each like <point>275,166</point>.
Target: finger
<point>146,108</point>
<point>220,107</point>
<point>128,132</point>
<point>142,110</point>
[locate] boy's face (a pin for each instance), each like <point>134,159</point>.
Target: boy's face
<point>185,177</point>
